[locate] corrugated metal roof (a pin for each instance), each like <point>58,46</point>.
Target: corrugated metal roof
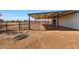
<point>51,14</point>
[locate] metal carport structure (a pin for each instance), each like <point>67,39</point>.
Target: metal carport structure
<point>48,15</point>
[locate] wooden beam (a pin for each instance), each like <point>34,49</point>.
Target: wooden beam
<point>29,22</point>
<point>57,24</point>
<point>45,21</point>
<point>19,26</point>
<point>51,15</point>
<point>6,25</point>
<point>67,14</point>
<point>35,22</point>
<point>48,21</point>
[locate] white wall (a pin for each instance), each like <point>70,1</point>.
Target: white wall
<point>77,21</point>
<point>71,21</point>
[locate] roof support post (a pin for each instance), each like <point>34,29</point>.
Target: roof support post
<point>29,22</point>
<point>57,20</point>
<point>45,21</point>
<point>48,21</point>
<point>35,22</point>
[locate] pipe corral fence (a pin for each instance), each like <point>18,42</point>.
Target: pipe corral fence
<point>23,25</point>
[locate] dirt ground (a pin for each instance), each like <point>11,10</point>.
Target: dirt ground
<point>44,39</point>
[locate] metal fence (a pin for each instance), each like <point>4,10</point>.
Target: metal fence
<point>35,25</point>
<point>13,25</point>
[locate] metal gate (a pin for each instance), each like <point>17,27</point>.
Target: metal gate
<point>14,26</point>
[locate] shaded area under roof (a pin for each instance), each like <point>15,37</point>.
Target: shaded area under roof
<point>52,14</point>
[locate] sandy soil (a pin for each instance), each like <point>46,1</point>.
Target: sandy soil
<point>44,39</point>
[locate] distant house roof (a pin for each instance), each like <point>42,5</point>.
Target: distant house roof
<point>51,14</point>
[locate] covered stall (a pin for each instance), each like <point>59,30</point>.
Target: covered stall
<point>54,16</point>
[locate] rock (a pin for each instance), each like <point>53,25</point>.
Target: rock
<point>20,36</point>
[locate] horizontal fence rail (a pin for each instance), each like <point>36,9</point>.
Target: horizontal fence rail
<point>13,25</point>
<point>35,25</point>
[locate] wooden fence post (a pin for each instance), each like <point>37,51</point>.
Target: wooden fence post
<point>19,26</point>
<point>6,25</point>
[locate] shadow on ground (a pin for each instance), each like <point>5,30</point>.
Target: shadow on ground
<point>59,28</point>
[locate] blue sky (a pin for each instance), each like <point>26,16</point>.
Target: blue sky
<point>18,14</point>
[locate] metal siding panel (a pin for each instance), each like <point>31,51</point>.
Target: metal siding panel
<point>68,21</point>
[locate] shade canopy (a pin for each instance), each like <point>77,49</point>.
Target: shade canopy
<point>52,14</point>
